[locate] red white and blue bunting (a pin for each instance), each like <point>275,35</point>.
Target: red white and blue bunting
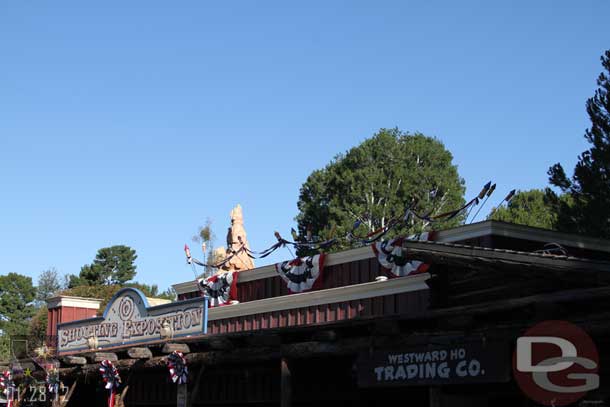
<point>8,387</point>
<point>178,370</point>
<point>221,289</point>
<point>52,380</point>
<point>392,256</point>
<point>111,378</point>
<point>302,274</point>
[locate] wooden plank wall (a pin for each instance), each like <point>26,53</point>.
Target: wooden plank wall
<point>395,304</point>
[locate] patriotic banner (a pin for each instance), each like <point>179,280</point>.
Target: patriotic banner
<point>220,288</point>
<point>52,381</point>
<point>392,256</point>
<point>177,367</point>
<point>8,387</point>
<point>111,378</point>
<point>302,275</point>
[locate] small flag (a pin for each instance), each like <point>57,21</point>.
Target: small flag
<point>484,190</point>
<point>295,235</point>
<point>491,190</point>
<point>510,195</point>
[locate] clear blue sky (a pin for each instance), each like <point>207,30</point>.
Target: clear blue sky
<point>130,122</point>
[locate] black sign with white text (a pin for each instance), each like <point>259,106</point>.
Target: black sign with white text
<point>476,362</point>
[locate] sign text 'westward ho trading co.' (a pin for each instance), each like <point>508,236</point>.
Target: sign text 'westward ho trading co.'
<point>435,365</point>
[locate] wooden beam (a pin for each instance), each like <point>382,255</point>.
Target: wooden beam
<point>139,353</point>
<point>171,347</point>
<point>99,356</point>
<point>74,360</point>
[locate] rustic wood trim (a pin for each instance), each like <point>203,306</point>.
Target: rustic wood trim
<point>328,296</point>
<point>446,254</point>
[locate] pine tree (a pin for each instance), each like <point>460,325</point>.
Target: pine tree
<point>589,188</point>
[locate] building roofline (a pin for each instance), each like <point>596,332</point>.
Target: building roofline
<point>512,230</point>
<point>444,245</point>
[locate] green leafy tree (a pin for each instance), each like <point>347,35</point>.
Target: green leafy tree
<point>205,237</point>
<point>531,208</point>
<point>38,329</point>
<point>376,181</point>
<point>112,265</point>
<point>49,283</point>
<point>17,295</point>
<point>105,292</point>
<point>589,188</point>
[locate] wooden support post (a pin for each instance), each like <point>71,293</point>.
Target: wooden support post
<point>435,395</point>
<point>286,390</point>
<point>182,395</point>
<point>195,391</point>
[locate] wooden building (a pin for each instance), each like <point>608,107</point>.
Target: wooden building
<point>486,285</point>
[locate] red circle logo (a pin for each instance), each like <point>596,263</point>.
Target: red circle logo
<point>555,363</point>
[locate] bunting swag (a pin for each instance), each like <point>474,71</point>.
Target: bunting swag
<point>177,367</point>
<point>52,380</point>
<point>8,387</point>
<point>302,275</point>
<point>392,256</point>
<point>111,378</point>
<point>220,288</point>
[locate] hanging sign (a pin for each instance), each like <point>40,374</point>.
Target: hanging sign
<point>128,320</point>
<point>475,362</point>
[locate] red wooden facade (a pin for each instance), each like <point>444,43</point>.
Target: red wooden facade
<point>404,303</point>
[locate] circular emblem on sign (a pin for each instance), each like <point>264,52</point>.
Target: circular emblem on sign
<point>555,363</point>
<point>126,308</point>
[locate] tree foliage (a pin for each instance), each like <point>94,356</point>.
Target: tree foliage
<point>377,181</point>
<point>106,291</point>
<point>531,208</point>
<point>206,237</point>
<point>589,188</point>
<point>112,265</point>
<point>49,283</point>
<point>17,295</point>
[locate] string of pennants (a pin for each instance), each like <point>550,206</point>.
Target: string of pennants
<point>351,237</point>
<point>305,274</point>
